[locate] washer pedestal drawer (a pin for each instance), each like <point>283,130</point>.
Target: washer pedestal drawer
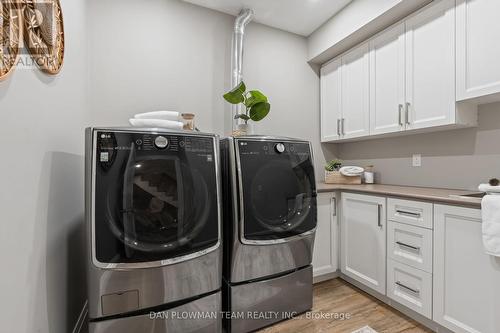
<point>199,316</point>
<point>262,303</point>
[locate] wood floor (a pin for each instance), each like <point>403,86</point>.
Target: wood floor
<point>340,298</point>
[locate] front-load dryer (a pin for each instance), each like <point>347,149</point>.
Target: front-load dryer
<point>269,227</point>
<point>153,212</point>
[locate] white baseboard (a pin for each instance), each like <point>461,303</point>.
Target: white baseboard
<point>325,277</point>
<point>82,318</point>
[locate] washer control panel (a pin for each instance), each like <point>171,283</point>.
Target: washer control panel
<point>280,148</point>
<point>161,142</point>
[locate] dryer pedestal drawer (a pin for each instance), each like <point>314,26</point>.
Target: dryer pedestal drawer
<point>410,245</point>
<point>416,213</point>
<point>410,287</point>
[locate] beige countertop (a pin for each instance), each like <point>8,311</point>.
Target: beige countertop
<point>438,195</point>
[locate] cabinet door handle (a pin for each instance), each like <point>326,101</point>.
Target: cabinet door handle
<point>333,202</point>
<point>343,126</point>
<point>403,212</point>
<point>379,212</point>
<point>407,115</point>
<point>415,291</point>
<point>400,114</point>
<point>338,127</point>
<point>416,248</point>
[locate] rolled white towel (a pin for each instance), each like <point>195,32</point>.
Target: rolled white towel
<point>352,171</point>
<point>177,125</point>
<point>490,210</point>
<point>489,188</point>
<point>164,115</point>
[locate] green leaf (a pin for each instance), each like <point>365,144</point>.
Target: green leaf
<point>235,96</point>
<point>242,116</point>
<point>259,111</point>
<point>255,97</point>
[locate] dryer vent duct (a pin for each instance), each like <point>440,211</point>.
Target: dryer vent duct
<point>240,23</point>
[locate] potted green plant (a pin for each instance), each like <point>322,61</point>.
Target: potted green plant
<point>331,170</point>
<point>255,105</point>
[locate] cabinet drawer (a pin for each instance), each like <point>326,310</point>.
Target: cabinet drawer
<point>416,213</point>
<point>410,286</point>
<point>410,245</point>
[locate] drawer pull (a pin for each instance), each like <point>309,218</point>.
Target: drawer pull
<point>415,291</point>
<point>403,212</point>
<point>416,248</point>
<point>379,212</point>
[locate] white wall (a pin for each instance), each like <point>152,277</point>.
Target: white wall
<point>176,56</point>
<point>356,22</point>
<point>348,20</point>
<point>42,283</point>
<point>451,159</point>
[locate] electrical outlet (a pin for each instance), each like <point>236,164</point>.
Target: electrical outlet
<point>417,160</point>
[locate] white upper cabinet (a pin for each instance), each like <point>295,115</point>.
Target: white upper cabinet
<point>355,93</point>
<point>387,81</point>
<point>478,48</point>
<point>404,79</point>
<point>330,101</point>
<point>430,66</point>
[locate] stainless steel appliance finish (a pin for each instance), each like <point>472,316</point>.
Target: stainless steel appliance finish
<point>246,260</point>
<point>206,310</point>
<point>291,294</point>
<point>156,286</point>
<point>269,226</point>
<point>178,256</point>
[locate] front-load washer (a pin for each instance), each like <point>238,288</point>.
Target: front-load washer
<point>270,219</point>
<point>153,212</point>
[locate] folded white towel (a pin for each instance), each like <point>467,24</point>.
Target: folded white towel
<point>351,171</point>
<point>177,125</point>
<point>165,115</point>
<point>489,188</point>
<point>490,210</point>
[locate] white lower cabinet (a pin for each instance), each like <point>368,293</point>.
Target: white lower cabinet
<point>466,280</point>
<point>410,245</point>
<point>443,273</point>
<point>410,286</point>
<point>363,239</point>
<point>325,255</point>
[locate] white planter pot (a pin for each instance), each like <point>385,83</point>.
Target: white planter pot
<point>245,129</point>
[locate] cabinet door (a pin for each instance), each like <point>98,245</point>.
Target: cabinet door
<point>363,239</point>
<point>387,81</point>
<point>330,101</point>
<point>478,33</point>
<point>325,255</point>
<point>355,93</point>
<point>430,66</point>
<point>466,280</point>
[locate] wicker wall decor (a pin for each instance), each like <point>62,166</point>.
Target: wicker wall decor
<point>10,36</point>
<point>44,33</point>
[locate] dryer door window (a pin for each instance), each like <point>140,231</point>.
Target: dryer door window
<point>154,204</point>
<point>278,190</point>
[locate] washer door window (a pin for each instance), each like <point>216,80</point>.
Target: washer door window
<point>154,204</point>
<point>279,196</point>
